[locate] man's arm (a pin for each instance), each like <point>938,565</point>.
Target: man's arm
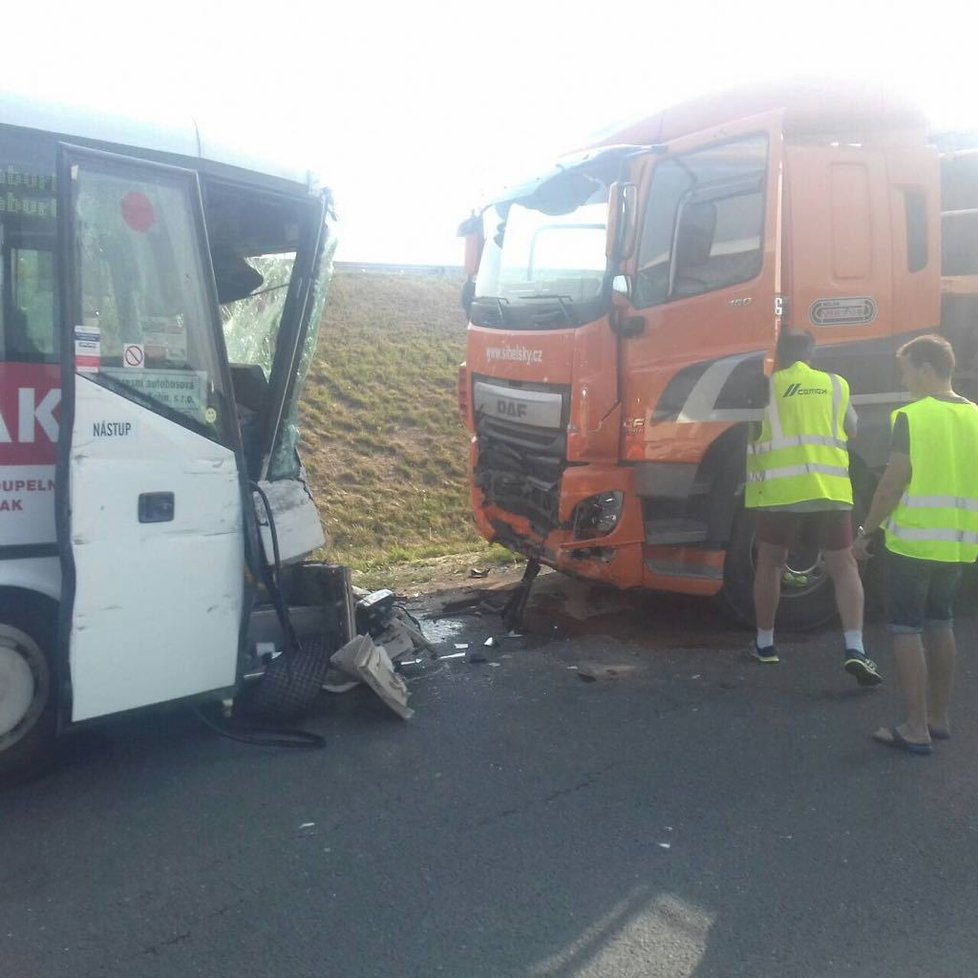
<point>888,493</point>
<point>851,422</point>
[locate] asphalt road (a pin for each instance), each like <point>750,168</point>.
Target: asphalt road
<point>699,815</point>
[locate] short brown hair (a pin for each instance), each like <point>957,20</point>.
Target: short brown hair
<point>931,349</point>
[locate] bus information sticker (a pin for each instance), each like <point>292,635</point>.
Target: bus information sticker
<point>183,391</point>
<point>856,311</point>
<point>134,356</point>
<point>165,340</point>
<point>88,349</point>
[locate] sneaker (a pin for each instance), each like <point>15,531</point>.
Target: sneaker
<point>858,664</point>
<point>768,654</point>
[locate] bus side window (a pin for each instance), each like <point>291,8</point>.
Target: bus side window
<point>29,332</point>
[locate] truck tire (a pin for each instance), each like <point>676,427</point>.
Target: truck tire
<point>807,596</point>
<point>28,700</point>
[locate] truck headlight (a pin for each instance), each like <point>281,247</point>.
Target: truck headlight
<point>597,515</point>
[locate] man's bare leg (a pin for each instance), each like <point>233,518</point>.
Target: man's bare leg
<point>911,666</point>
<point>940,650</point>
<point>767,583</point>
<point>841,566</point>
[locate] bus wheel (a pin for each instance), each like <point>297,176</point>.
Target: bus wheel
<point>807,596</point>
<point>28,709</point>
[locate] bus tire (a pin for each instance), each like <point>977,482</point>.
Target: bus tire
<point>803,606</point>
<point>28,689</point>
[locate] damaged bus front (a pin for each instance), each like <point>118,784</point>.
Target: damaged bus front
<point>160,306</point>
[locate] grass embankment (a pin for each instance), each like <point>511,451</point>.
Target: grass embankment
<point>381,437</point>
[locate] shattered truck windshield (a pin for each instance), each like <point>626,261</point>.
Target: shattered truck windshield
<point>544,260</point>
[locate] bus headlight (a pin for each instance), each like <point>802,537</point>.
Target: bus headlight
<point>597,515</point>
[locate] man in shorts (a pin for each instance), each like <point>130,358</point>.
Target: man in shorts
<point>798,481</point>
<point>927,502</point>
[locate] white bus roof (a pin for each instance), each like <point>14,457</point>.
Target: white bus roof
<point>179,135</point>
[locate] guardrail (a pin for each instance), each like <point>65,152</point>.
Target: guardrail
<point>386,268</point>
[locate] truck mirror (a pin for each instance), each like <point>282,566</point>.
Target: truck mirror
<point>621,286</point>
<point>468,294</point>
<point>622,219</point>
<point>471,230</point>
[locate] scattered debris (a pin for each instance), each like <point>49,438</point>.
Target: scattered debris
<point>476,656</point>
<point>665,845</point>
<point>592,671</point>
<point>475,572</point>
<point>451,655</point>
<point>491,643</point>
<point>461,645</point>
<point>307,825</point>
<point>371,664</point>
<point>337,681</point>
<point>495,665</point>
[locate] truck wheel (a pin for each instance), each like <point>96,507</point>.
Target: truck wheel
<point>28,705</point>
<point>807,596</point>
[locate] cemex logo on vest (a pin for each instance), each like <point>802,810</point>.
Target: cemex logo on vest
<point>798,389</point>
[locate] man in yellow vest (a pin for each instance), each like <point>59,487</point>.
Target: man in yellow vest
<point>798,481</point>
<point>927,502</point>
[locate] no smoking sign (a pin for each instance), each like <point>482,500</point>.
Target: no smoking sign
<point>133,355</point>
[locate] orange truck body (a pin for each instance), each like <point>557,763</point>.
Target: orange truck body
<point>609,405</point>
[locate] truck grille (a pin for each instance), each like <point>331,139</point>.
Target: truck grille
<point>520,466</point>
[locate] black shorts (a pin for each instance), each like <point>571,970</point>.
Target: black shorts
<point>919,593</point>
<point>828,529</point>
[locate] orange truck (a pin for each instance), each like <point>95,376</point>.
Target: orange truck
<point>623,308</point>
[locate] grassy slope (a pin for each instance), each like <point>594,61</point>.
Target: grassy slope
<point>381,437</point>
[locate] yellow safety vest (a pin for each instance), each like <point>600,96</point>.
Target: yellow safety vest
<point>802,452</point>
<point>937,518</point>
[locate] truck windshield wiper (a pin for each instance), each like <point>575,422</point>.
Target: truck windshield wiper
<point>564,301</point>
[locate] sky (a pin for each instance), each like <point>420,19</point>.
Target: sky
<point>414,115</point>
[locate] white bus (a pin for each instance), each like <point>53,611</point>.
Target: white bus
<point>160,297</point>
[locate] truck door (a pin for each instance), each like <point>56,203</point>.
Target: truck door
<point>705,298</point>
<point>150,506</point>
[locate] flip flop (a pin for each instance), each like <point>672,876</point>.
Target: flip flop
<point>895,739</point>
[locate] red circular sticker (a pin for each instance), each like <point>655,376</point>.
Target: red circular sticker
<point>138,212</point>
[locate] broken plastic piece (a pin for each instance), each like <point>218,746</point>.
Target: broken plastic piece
<point>490,643</point>
<point>370,663</point>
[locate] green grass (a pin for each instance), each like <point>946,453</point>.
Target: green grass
<point>381,437</point>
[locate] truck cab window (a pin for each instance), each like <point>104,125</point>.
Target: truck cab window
<point>704,222</point>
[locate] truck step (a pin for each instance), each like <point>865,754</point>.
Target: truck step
<point>674,531</point>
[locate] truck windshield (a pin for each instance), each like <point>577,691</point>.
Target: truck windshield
<point>532,255</point>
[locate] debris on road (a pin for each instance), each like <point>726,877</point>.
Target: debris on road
<point>593,671</point>
<point>371,664</point>
<point>476,656</point>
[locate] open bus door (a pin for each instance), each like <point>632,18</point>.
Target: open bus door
<point>150,508</point>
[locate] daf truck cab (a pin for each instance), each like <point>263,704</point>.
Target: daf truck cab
<point>624,308</point>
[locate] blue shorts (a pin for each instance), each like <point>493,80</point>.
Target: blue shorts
<point>919,593</point>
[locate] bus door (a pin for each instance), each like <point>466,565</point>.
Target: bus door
<point>150,501</point>
<point>704,303</point>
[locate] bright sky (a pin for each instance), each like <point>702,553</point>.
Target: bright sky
<point>414,112</point>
